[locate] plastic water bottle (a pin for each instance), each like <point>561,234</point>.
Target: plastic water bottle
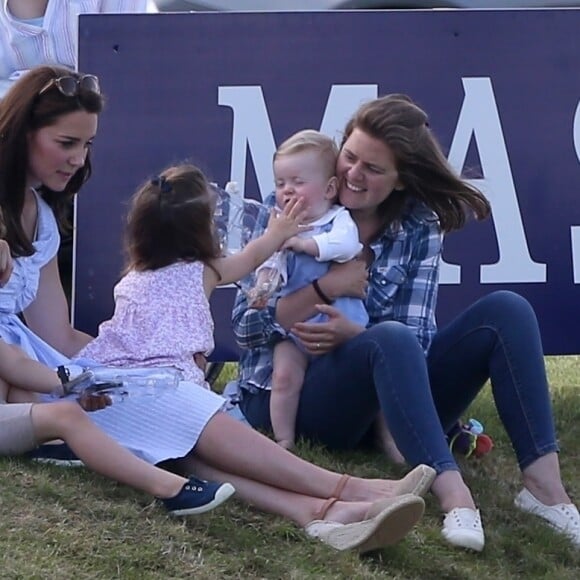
<point>120,383</point>
<point>235,225</point>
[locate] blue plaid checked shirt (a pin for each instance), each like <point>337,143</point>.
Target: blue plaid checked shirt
<point>403,284</point>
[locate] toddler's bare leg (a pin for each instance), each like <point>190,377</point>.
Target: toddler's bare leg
<point>386,442</point>
<point>288,374</point>
<point>67,421</point>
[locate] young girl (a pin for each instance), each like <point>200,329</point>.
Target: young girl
<point>162,315</point>
<point>24,425</point>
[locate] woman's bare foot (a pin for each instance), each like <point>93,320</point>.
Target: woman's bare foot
<point>542,479</point>
<point>347,512</point>
<point>451,491</point>
<point>358,489</point>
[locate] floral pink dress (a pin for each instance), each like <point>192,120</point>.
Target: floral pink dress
<point>162,318</point>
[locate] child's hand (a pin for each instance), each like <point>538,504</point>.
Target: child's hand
<point>288,222</point>
<point>94,401</point>
<point>294,243</point>
<point>6,264</point>
<point>301,245</point>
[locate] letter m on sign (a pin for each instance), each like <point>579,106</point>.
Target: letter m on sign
<point>252,130</point>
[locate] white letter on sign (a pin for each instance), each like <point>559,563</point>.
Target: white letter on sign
<point>252,130</point>
<point>479,117</point>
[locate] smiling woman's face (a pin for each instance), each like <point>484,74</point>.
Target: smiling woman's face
<point>58,151</point>
<point>366,171</point>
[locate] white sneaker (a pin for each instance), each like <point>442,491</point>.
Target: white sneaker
<point>462,528</point>
<point>563,517</point>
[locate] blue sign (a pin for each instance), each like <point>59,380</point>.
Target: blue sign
<point>222,89</point>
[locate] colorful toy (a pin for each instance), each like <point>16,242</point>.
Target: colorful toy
<point>469,439</point>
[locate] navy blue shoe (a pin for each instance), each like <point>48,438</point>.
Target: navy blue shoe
<point>198,496</point>
<point>60,454</point>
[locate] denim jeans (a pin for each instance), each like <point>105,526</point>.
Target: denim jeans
<point>383,370</point>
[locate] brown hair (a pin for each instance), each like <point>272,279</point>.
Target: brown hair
<point>311,140</point>
<point>2,225</point>
<point>423,170</point>
<point>171,219</point>
<point>22,111</point>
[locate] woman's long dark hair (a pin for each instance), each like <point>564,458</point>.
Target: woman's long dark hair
<point>24,110</point>
<point>423,169</point>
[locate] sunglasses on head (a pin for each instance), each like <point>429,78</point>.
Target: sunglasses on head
<point>70,85</point>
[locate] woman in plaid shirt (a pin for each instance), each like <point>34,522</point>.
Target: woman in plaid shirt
<point>403,196</point>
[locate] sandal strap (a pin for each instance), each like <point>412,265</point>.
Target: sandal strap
<point>319,515</point>
<point>337,493</point>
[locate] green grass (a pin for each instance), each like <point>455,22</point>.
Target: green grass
<point>64,523</point>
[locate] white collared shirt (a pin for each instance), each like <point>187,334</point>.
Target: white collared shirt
<point>25,44</point>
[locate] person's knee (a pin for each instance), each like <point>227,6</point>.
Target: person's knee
<point>507,305</point>
<point>62,415</point>
<point>393,335</point>
<point>56,420</point>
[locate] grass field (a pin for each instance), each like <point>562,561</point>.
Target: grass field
<point>67,523</point>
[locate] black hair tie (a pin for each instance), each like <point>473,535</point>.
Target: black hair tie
<point>161,182</point>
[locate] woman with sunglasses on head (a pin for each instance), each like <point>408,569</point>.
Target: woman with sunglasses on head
<point>37,32</point>
<point>47,124</point>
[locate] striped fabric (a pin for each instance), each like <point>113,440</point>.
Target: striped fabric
<point>160,427</point>
<point>24,45</point>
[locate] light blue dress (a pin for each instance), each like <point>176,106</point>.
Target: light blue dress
<point>154,428</point>
<point>303,269</point>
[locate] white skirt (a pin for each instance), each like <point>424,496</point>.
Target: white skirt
<point>163,426</point>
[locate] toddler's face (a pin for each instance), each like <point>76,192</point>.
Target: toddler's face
<point>302,175</point>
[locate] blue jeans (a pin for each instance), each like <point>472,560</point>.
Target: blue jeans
<point>385,370</point>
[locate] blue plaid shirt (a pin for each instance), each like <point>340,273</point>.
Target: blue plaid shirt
<point>403,283</point>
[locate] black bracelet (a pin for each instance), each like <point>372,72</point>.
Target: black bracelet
<point>320,293</point>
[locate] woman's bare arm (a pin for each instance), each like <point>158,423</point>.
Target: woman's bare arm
<point>48,315</point>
